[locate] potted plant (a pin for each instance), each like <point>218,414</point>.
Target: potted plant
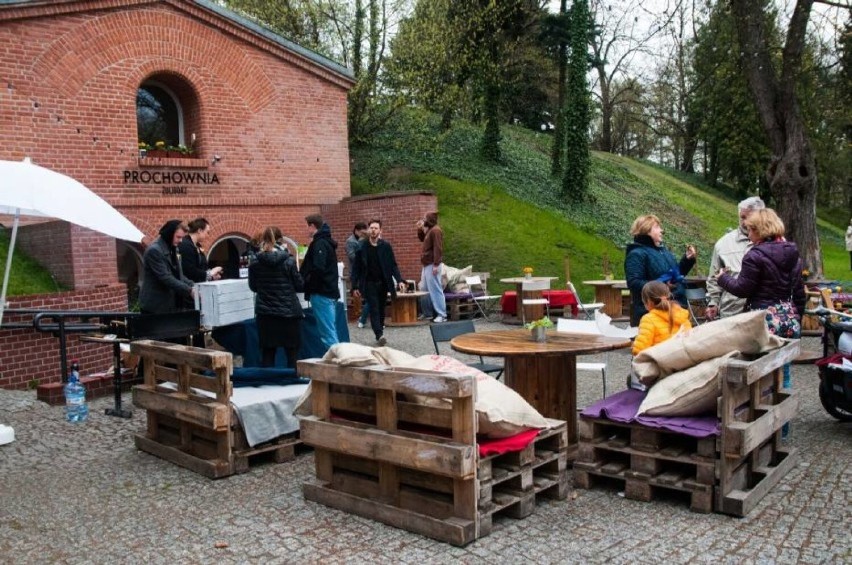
<point>157,150</point>
<point>538,328</point>
<point>528,271</point>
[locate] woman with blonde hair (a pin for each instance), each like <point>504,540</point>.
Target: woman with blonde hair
<point>771,275</point>
<point>278,312</point>
<point>648,259</point>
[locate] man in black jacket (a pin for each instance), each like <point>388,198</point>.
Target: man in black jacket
<point>164,286</point>
<point>319,272</point>
<point>376,273</point>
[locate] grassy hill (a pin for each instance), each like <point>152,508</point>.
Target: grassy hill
<point>26,276</point>
<point>501,218</point>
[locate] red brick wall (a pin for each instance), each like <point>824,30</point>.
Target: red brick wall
<point>277,122</point>
<point>398,211</point>
<point>27,355</point>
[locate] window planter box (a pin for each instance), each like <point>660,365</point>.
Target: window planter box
<point>183,162</point>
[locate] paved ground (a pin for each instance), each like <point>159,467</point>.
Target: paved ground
<point>83,494</point>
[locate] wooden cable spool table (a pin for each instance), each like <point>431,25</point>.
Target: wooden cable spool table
<point>544,373</point>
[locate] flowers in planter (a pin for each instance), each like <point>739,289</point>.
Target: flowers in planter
<point>544,322</point>
<point>528,271</point>
<point>162,149</point>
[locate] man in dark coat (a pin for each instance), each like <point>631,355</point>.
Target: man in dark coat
<point>319,272</point>
<point>164,286</point>
<point>375,273</point>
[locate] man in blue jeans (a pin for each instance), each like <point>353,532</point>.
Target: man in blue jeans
<point>319,271</point>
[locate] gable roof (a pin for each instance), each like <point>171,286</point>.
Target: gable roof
<point>239,25</point>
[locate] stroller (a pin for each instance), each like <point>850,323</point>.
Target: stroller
<point>835,388</point>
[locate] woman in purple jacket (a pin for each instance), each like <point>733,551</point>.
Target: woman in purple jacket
<point>771,275</point>
<point>770,278</point>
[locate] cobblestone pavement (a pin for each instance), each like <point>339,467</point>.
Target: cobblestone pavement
<point>84,494</point>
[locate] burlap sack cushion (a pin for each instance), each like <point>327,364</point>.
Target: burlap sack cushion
<point>500,411</point>
<point>350,355</point>
<point>745,332</point>
<point>451,276</point>
<point>691,392</point>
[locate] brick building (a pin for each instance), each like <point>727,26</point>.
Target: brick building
<point>260,121</point>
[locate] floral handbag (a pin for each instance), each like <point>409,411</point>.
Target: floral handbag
<point>782,320</point>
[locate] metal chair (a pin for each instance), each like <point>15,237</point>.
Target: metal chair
<point>699,296</point>
<point>534,285</point>
<point>485,302</point>
<point>561,326</point>
<point>448,330</point>
<point>587,309</point>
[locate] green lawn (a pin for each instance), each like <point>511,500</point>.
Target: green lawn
<point>26,276</point>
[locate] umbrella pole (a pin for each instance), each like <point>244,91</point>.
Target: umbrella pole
<point>9,264</point>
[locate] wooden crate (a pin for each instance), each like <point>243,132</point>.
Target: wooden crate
<point>197,432</point>
<point>224,302</point>
<point>415,466</point>
<point>730,473</point>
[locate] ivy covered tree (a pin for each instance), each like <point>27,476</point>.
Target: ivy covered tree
<point>577,106</point>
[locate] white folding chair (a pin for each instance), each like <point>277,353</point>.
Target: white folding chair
<point>696,297</point>
<point>530,286</point>
<point>485,303</point>
<point>587,309</point>
<point>565,325</point>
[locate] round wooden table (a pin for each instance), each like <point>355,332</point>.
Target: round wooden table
<point>545,374</point>
<point>608,292</point>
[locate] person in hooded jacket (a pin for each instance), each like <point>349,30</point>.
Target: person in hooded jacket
<point>647,259</point>
<point>164,286</point>
<point>319,271</point>
<point>273,276</point>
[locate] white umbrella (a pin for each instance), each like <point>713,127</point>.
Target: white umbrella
<point>29,190</point>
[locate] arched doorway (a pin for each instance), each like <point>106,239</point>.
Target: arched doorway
<point>129,261</point>
<point>226,253</point>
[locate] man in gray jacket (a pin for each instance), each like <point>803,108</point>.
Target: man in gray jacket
<point>728,254</point>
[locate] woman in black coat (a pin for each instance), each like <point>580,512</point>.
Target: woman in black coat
<point>276,280</point>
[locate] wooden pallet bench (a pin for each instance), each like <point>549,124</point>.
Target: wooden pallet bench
<point>197,432</point>
<point>730,473</point>
<point>383,456</point>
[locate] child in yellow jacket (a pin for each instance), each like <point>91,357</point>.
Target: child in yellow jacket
<point>665,316</point>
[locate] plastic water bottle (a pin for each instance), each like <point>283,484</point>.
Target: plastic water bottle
<point>76,409</point>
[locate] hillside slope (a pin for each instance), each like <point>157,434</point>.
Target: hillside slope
<point>501,218</point>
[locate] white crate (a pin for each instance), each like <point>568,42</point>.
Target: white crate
<point>224,302</point>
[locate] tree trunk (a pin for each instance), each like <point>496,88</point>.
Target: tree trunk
<point>606,112</point>
<point>792,171</point>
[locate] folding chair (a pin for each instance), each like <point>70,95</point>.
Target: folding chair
<point>563,325</point>
<point>448,330</point>
<point>587,309</point>
<point>699,296</point>
<point>534,285</point>
<point>485,303</point>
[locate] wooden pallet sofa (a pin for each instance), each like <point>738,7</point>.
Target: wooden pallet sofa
<point>415,466</point>
<point>199,432</point>
<point>729,473</point>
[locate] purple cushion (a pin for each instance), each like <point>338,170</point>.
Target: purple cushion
<point>622,407</point>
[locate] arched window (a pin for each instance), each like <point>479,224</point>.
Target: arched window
<point>167,111</point>
<point>159,116</point>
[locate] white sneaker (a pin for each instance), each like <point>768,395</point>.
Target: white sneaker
<point>361,325</point>
<point>439,319</point>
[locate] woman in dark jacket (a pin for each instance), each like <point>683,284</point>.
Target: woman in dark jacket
<point>771,274</point>
<point>648,259</point>
<point>770,279</point>
<point>276,280</point>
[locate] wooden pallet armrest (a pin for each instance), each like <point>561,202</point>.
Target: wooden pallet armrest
<point>741,438</point>
<point>213,415</point>
<point>437,385</point>
<point>744,372</point>
<point>434,455</point>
